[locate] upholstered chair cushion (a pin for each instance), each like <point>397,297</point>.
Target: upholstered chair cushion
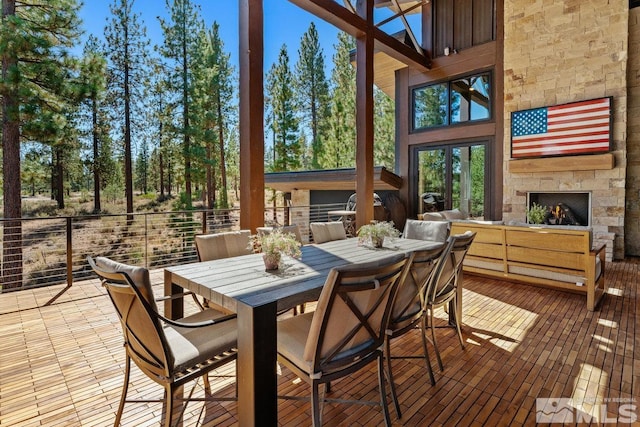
<point>327,231</point>
<point>408,302</point>
<point>431,216</point>
<point>139,276</point>
<point>223,245</point>
<point>293,229</point>
<point>433,231</point>
<point>191,345</point>
<point>453,214</point>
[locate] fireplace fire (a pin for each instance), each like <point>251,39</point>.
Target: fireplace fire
<point>562,214</point>
<point>564,208</point>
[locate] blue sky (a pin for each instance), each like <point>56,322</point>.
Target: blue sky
<point>284,23</point>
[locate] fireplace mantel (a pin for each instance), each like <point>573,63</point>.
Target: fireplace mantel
<point>563,164</point>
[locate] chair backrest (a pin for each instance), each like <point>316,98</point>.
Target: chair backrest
<point>327,231</point>
<point>223,245</point>
<point>433,231</point>
<point>409,300</point>
<point>461,247</point>
<point>352,313</point>
<point>129,289</point>
<point>444,278</point>
<point>293,229</point>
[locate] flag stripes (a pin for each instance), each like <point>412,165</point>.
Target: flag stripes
<point>580,127</point>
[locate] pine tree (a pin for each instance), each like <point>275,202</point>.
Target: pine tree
<point>128,46</point>
<point>340,146</point>
<point>35,37</point>
<point>142,167</point>
<point>65,151</point>
<point>384,132</point>
<point>182,37</point>
<point>216,97</point>
<point>159,111</point>
<point>284,124</point>
<point>34,170</point>
<point>312,90</point>
<point>93,73</point>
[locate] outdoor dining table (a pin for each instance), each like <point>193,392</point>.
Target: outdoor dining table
<point>242,285</point>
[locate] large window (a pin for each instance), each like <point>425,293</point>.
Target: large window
<point>452,177</point>
<point>457,101</point>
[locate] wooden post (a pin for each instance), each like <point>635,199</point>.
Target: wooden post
<point>251,115</point>
<point>364,116</point>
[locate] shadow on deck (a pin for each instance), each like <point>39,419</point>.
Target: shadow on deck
<point>62,364</point>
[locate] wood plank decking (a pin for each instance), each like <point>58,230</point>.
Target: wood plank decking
<point>62,363</point>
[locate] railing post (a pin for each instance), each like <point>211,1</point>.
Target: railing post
<point>69,253</point>
<point>204,222</point>
<point>146,241</point>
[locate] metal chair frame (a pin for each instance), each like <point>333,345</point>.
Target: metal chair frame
<point>157,368</point>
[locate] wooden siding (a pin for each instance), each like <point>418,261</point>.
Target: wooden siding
<point>62,364</point>
<point>461,24</point>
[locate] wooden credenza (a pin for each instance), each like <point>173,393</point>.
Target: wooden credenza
<point>556,257</point>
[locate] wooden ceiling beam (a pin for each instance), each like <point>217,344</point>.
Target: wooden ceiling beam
<point>356,26</point>
<point>400,51</point>
<point>334,13</point>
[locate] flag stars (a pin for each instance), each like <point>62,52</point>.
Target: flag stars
<point>529,122</point>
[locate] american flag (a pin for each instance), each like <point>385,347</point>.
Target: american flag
<point>579,127</point>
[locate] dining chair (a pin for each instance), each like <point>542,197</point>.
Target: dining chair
<point>434,231</point>
<point>443,285</point>
<point>293,229</point>
<point>222,245</point>
<point>327,231</point>
<point>346,331</point>
<point>170,352</point>
<point>408,310</point>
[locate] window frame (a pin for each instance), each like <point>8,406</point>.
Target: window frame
<point>448,83</point>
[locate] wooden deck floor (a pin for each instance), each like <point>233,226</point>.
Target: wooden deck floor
<point>62,363</point>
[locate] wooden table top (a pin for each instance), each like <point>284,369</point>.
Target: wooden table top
<point>243,278</point>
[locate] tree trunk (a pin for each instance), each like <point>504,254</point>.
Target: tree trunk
<point>185,101</point>
<point>128,173</point>
<point>169,178</point>
<point>96,156</point>
<point>223,168</point>
<point>12,229</point>
<point>58,177</point>
<point>160,159</point>
<point>210,188</point>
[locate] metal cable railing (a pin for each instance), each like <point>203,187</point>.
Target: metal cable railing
<point>54,250</point>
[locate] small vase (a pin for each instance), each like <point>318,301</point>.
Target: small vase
<point>377,242</point>
<point>271,261</point>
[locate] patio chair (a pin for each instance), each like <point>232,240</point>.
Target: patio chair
<point>434,231</point>
<point>443,285</point>
<point>222,245</point>
<point>327,231</point>
<point>170,352</point>
<point>408,310</point>
<point>293,229</point>
<point>346,331</point>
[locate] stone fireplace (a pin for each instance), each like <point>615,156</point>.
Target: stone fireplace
<point>565,207</point>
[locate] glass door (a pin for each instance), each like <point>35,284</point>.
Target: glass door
<point>452,177</point>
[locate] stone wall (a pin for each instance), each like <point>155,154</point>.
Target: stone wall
<point>564,51</point>
<point>300,201</point>
<point>632,215</point>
